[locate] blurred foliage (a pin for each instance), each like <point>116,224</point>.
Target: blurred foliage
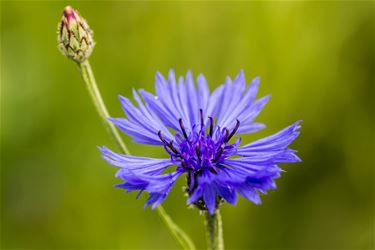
<point>315,57</point>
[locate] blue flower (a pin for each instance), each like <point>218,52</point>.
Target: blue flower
<point>203,145</point>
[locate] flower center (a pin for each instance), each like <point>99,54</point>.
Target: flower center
<point>203,148</point>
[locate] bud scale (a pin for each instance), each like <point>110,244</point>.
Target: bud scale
<point>75,38</point>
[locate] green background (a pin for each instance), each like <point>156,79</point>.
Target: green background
<point>316,58</point>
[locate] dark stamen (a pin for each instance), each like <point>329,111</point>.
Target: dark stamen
<point>162,138</point>
<point>213,170</point>
<point>194,180</point>
<point>226,134</point>
<point>190,183</point>
<point>211,125</point>
<point>198,151</point>
<point>168,144</point>
<point>199,172</point>
<point>201,113</point>
<point>218,154</point>
<point>185,166</point>
<point>233,131</point>
<point>183,128</point>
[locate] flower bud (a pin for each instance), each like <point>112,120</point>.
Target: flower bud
<point>75,37</point>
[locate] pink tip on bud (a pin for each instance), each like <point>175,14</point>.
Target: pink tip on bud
<point>74,36</point>
<point>69,13</point>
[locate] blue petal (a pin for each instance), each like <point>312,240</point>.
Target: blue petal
<point>203,94</point>
<point>227,192</point>
<point>262,184</point>
<point>197,194</point>
<point>225,100</point>
<point>204,181</point>
<point>239,164</point>
<point>154,103</point>
<point>180,107</point>
<point>248,115</point>
<point>232,97</point>
<point>178,101</point>
<point>247,179</point>
<point>158,186</point>
<point>214,103</point>
<point>139,134</point>
<point>236,103</point>
<point>155,199</point>
<point>183,99</point>
<point>268,157</point>
<point>192,100</point>
<point>209,197</point>
<point>249,193</point>
<point>163,92</point>
<point>250,128</point>
<point>142,123</point>
<point>133,186</point>
<point>278,141</point>
<point>209,186</point>
<point>151,116</point>
<point>134,164</point>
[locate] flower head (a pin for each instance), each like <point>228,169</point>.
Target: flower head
<point>204,146</point>
<point>74,36</point>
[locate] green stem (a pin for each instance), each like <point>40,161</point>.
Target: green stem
<point>88,77</point>
<point>177,232</point>
<point>214,230</point>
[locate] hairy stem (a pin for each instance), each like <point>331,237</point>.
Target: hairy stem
<point>214,230</point>
<point>88,77</point>
<point>178,234</point>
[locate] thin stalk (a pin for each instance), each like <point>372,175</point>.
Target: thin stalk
<point>178,234</point>
<point>214,230</point>
<point>88,77</point>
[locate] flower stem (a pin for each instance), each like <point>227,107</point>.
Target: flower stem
<point>88,77</point>
<point>177,232</point>
<point>214,230</point>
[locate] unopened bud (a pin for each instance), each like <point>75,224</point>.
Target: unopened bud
<point>75,37</point>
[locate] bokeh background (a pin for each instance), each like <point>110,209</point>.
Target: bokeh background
<point>315,57</point>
